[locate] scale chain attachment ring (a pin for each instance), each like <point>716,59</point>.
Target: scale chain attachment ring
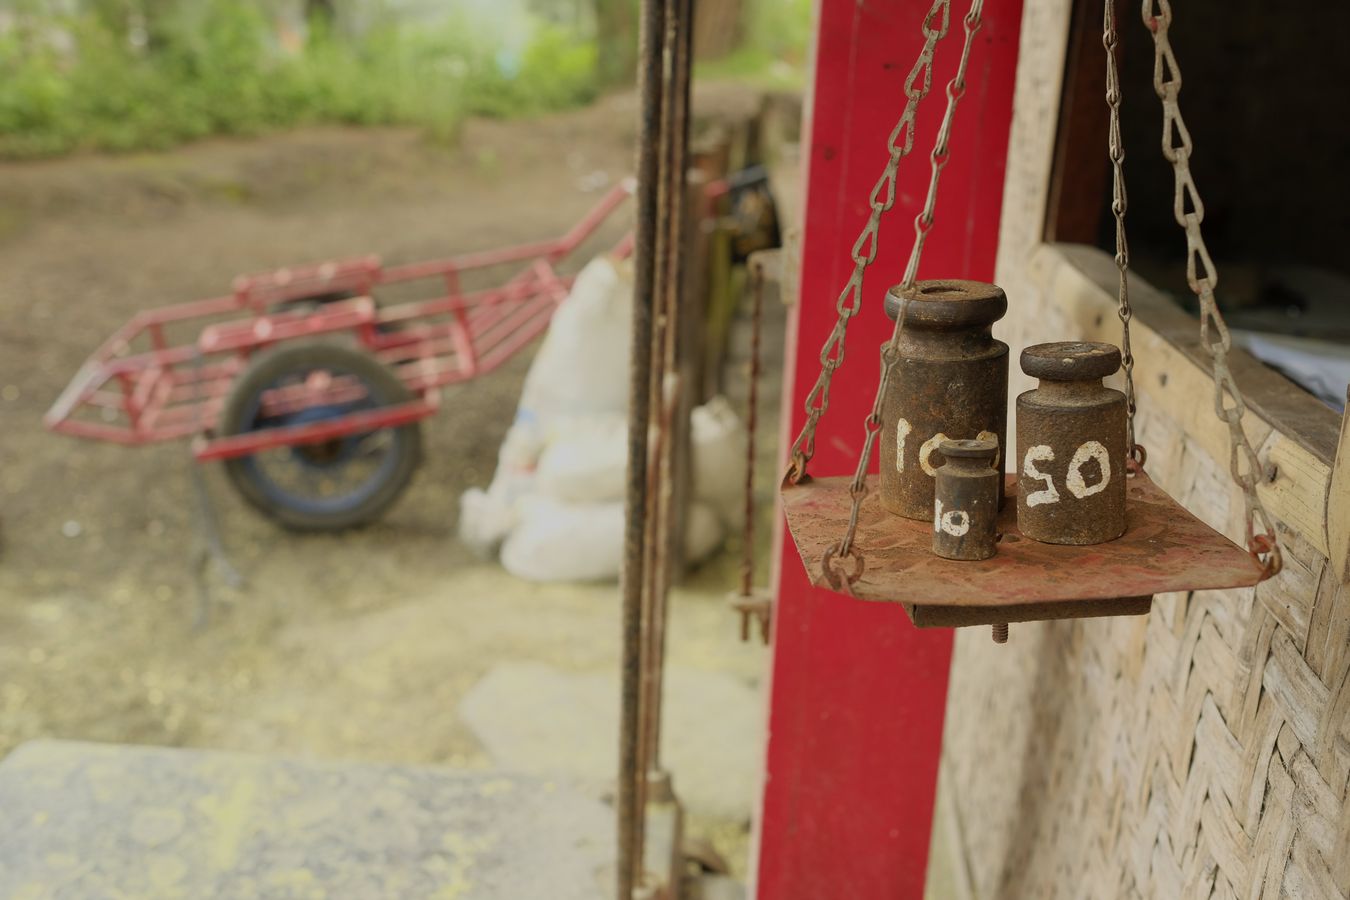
<point>1137,458</point>
<point>836,578</point>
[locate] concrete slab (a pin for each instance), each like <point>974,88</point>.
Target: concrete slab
<point>536,718</point>
<point>102,821</point>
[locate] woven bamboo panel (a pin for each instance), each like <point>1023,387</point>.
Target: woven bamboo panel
<point>1202,751</point>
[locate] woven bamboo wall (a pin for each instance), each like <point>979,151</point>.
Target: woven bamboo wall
<point>1203,750</point>
<point>1200,751</point>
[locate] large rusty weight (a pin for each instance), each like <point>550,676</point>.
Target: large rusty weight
<point>948,381</point>
<point>965,507</point>
<point>1071,445</point>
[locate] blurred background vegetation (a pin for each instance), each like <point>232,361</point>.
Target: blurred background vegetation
<point>123,75</point>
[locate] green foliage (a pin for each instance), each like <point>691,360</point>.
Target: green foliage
<point>781,29</point>
<point>776,47</point>
<point>553,72</point>
<point>214,67</point>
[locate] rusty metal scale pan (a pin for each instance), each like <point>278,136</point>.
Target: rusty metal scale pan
<point>1164,548</point>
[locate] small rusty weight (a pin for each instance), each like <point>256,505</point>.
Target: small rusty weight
<point>965,505</point>
<point>1071,446</point>
<point>948,381</point>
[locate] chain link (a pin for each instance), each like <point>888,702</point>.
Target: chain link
<point>1203,278</point>
<point>923,224</point>
<point>900,143</point>
<point>1119,204</point>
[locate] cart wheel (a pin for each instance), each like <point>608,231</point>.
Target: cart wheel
<point>311,303</point>
<point>326,485</point>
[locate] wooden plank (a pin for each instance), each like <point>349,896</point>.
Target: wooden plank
<point>1270,396</point>
<point>1174,380</point>
<point>963,616</point>
<point>1294,487</point>
<point>1079,194</point>
<point>1338,504</point>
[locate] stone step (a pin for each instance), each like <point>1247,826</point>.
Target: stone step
<point>91,820</point>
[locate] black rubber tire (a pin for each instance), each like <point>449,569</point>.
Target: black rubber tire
<point>270,366</point>
<point>311,303</point>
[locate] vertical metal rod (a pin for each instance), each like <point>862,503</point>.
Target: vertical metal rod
<point>656,439</point>
<point>650,77</point>
<point>666,385</point>
<point>751,421</point>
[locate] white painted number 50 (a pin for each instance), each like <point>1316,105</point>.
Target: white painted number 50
<point>1090,450</point>
<point>1039,453</point>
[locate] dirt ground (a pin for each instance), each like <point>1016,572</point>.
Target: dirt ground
<point>356,646</point>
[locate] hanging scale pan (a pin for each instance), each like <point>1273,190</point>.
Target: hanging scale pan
<point>887,557</point>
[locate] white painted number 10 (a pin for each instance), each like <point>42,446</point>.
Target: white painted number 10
<point>928,447</point>
<point>955,522</point>
<point>1040,453</point>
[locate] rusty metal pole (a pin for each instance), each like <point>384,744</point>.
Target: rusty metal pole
<point>747,601</point>
<point>751,425</point>
<point>664,543</point>
<point>650,77</point>
<point>664,386</point>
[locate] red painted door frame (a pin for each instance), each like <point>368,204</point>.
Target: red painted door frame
<point>858,694</point>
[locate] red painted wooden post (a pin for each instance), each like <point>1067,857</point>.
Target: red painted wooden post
<point>858,694</point>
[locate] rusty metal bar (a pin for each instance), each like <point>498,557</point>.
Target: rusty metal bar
<point>663,539</point>
<point>250,442</point>
<point>650,77</point>
<point>751,423</point>
<point>652,532</point>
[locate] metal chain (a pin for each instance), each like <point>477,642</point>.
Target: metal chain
<point>864,252</point>
<point>1189,211</point>
<point>745,601</point>
<point>1119,203</point>
<point>923,224</point>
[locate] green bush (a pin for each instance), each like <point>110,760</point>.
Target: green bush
<point>554,72</point>
<point>777,45</point>
<point>218,71</point>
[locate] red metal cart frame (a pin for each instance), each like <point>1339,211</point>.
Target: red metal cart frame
<point>142,386</point>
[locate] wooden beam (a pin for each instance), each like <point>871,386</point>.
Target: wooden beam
<point>1079,178</point>
<point>1294,434</point>
<point>1338,503</point>
<point>965,616</point>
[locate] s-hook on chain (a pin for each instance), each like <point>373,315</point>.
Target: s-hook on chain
<point>1119,202</point>
<point>900,142</point>
<point>1189,211</point>
<point>923,224</point>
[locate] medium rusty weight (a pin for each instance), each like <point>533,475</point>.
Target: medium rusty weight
<point>948,381</point>
<point>965,508</point>
<point>1071,445</point>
